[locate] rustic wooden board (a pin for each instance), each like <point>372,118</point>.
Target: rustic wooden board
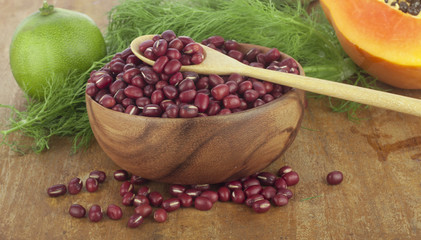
<point>380,157</point>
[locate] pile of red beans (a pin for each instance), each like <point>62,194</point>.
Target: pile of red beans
<point>259,191</point>
<point>128,85</point>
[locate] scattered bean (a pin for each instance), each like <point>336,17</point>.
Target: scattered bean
<point>144,210</point>
<point>155,199</point>
<point>114,212</point>
<point>291,178</point>
<point>135,221</point>
<point>254,198</point>
<point>75,186</point>
<point>261,206</point>
<point>224,194</point>
<point>177,189</point>
<point>57,190</point>
<point>211,195</point>
<point>137,180</point>
<point>203,203</point>
<point>334,178</point>
<point>128,199</point>
<point>160,215</point>
<point>269,192</point>
<point>283,170</point>
<point>91,185</point>
<point>77,211</point>
<point>140,200</point>
<point>121,175</point>
<point>126,187</point>
<point>280,200</point>
<point>95,213</point>
<point>171,204</point>
<point>100,176</point>
<point>238,196</point>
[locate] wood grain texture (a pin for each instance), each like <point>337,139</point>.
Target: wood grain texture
<point>380,156</point>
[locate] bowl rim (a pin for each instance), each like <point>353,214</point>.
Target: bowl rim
<point>243,46</point>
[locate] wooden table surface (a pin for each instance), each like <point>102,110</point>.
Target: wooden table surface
<point>380,156</point>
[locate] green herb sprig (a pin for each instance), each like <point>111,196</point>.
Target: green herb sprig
<point>62,112</point>
<point>286,25</point>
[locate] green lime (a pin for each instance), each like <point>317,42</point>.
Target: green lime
<point>53,42</point>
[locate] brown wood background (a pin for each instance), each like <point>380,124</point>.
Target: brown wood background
<point>380,157</point>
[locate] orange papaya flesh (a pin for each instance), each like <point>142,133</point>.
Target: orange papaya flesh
<point>380,38</point>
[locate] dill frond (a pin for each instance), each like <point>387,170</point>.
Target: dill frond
<point>62,112</point>
<point>285,25</point>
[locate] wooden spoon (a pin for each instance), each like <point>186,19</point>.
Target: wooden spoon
<point>218,63</point>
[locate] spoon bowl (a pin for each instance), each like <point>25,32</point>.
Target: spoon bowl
<point>223,66</point>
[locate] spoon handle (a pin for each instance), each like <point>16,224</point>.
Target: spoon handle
<point>339,90</point>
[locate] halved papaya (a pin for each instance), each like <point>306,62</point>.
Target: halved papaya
<point>381,37</point>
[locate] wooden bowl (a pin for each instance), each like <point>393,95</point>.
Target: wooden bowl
<point>211,149</point>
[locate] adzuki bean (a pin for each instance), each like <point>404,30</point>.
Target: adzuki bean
<point>160,215</point>
<point>177,189</point>
<point>100,176</point>
<point>280,183</point>
<point>185,200</point>
<point>334,178</point>
<point>135,221</point>
<point>261,206</point>
<point>121,175</point>
<point>291,178</point>
<point>252,190</point>
<point>155,199</point>
<point>224,194</point>
<point>285,192</point>
<point>193,192</point>
<point>159,47</point>
<point>234,185</point>
<point>201,187</point>
<point>280,200</point>
<point>238,196</point>
<point>168,35</point>
<point>57,190</point>
<point>91,185</point>
<point>95,213</point>
<point>137,180</point>
<point>269,192</point>
<point>143,210</point>
<point>140,200</point>
<point>266,178</point>
<point>126,187</point>
<point>171,204</point>
<point>128,199</point>
<point>250,182</point>
<point>202,203</point>
<point>143,191</point>
<point>254,198</point>
<point>75,186</point>
<point>114,212</point>
<point>211,195</point>
<point>77,211</point>
<point>283,170</point>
